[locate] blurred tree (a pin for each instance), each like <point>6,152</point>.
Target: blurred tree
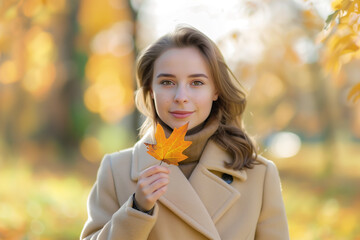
<point>134,6</point>
<point>288,87</point>
<point>61,61</point>
<point>106,36</point>
<point>36,73</point>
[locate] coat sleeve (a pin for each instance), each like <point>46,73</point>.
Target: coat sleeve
<point>107,219</point>
<point>272,223</point>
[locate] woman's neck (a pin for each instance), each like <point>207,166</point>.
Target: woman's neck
<point>198,135</point>
<point>189,132</point>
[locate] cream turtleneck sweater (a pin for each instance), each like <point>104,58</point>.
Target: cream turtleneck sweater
<point>198,136</point>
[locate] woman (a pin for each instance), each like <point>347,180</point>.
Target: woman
<point>223,190</point>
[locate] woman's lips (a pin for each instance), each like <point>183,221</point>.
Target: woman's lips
<point>181,114</point>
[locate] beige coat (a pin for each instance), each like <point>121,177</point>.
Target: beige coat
<point>203,207</point>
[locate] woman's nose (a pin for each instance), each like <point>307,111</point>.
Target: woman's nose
<point>181,94</point>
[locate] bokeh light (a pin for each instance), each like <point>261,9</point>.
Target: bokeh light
<point>284,144</point>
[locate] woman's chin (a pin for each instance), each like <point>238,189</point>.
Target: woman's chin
<point>179,125</point>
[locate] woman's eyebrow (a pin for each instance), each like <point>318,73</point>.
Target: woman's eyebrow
<point>164,75</point>
<point>191,76</point>
<point>198,75</point>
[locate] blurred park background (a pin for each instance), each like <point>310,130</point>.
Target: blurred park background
<point>67,98</point>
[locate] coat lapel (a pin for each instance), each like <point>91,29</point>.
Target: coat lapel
<point>203,199</point>
<point>217,195</point>
<point>180,197</point>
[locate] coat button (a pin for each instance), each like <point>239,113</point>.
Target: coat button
<point>227,178</point>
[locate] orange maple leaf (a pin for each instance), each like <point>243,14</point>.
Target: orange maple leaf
<point>169,149</point>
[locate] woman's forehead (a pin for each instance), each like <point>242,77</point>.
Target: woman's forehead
<point>174,59</point>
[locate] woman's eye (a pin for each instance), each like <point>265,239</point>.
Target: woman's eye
<point>166,82</point>
<point>197,83</point>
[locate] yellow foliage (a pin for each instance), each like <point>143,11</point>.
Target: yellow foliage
<point>108,73</point>
<point>8,72</point>
<point>111,89</point>
<point>341,38</point>
<point>39,80</point>
<point>95,15</point>
<point>339,4</point>
<point>354,93</point>
<point>32,7</point>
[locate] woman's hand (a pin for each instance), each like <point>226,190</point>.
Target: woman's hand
<point>152,184</point>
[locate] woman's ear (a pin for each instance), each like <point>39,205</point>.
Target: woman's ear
<point>151,94</point>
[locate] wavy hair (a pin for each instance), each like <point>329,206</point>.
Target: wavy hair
<point>229,106</point>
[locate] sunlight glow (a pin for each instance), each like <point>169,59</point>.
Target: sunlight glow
<point>285,144</point>
<point>246,19</point>
<point>116,40</point>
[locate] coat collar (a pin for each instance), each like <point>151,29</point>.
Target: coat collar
<point>196,200</point>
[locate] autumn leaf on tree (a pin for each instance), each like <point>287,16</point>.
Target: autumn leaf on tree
<point>169,150</point>
<point>340,37</point>
<point>354,93</point>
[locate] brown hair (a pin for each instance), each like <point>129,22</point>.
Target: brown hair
<point>229,106</point>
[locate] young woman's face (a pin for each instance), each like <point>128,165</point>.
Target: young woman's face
<point>182,87</point>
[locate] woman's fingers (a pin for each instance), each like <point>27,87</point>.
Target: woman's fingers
<point>158,181</point>
<point>151,185</point>
<point>159,192</point>
<point>151,179</point>
<point>153,170</point>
